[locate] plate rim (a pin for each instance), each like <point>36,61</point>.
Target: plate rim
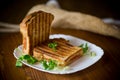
<point>59,35</point>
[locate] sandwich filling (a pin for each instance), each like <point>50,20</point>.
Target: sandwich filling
<point>64,54</point>
<point>35,29</point>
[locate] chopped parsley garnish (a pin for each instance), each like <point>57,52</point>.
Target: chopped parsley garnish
<point>28,58</point>
<point>53,45</point>
<point>92,54</point>
<point>49,65</point>
<point>84,47</point>
<point>18,63</point>
<point>86,50</point>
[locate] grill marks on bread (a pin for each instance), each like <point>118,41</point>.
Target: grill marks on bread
<point>35,29</point>
<point>65,53</point>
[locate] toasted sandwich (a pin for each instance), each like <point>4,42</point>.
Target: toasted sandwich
<point>35,29</point>
<point>64,54</point>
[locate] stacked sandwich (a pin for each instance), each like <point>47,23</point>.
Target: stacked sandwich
<point>35,29</point>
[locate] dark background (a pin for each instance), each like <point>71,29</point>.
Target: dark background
<point>13,11</point>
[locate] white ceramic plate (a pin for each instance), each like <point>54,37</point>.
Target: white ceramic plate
<point>80,64</point>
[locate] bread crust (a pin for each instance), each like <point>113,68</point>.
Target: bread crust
<point>35,29</point>
<point>65,53</point>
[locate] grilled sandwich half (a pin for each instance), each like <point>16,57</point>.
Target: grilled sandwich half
<point>64,54</point>
<point>35,29</point>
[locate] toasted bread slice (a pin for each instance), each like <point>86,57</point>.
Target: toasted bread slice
<point>35,29</point>
<point>65,53</point>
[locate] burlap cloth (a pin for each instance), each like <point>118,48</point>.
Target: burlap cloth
<point>79,21</point>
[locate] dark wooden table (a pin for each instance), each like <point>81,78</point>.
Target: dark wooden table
<point>107,68</point>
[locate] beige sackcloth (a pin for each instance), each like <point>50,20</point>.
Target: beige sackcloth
<point>77,20</point>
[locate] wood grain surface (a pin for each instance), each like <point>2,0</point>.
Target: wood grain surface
<point>107,68</point>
